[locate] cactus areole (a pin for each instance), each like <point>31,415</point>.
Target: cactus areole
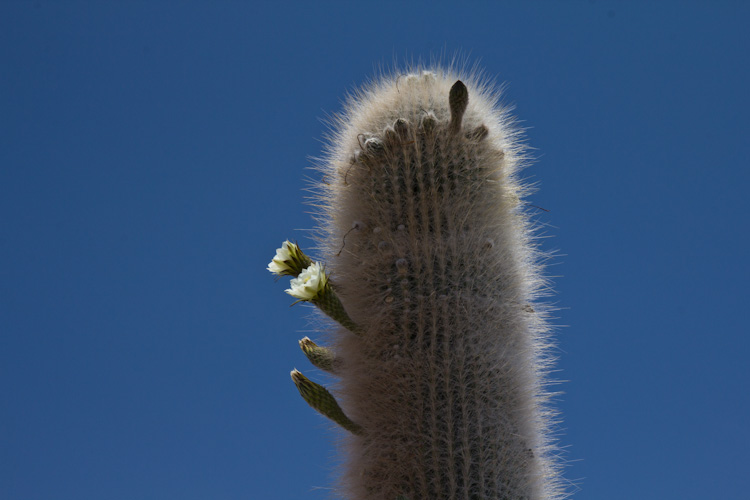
<point>441,350</point>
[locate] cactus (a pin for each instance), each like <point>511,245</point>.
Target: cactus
<point>431,272</point>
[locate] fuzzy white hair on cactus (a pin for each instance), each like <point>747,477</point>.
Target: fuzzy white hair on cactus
<point>442,348</point>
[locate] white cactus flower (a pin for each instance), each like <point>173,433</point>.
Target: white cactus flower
<point>279,264</point>
<point>289,260</point>
<point>310,283</point>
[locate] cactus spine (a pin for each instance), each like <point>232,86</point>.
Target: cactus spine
<point>430,253</point>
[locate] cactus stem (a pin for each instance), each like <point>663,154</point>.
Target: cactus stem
<point>446,377</point>
<point>329,303</point>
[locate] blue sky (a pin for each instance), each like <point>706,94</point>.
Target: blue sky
<point>153,156</point>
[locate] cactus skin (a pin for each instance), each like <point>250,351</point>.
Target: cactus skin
<point>433,257</point>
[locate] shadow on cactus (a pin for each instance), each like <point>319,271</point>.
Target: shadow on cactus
<point>430,272</point>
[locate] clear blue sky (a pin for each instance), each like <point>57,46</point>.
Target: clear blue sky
<point>153,155</point>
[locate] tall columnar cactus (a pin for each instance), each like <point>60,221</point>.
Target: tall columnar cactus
<point>431,273</point>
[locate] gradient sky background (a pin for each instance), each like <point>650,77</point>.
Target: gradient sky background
<point>152,158</point>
